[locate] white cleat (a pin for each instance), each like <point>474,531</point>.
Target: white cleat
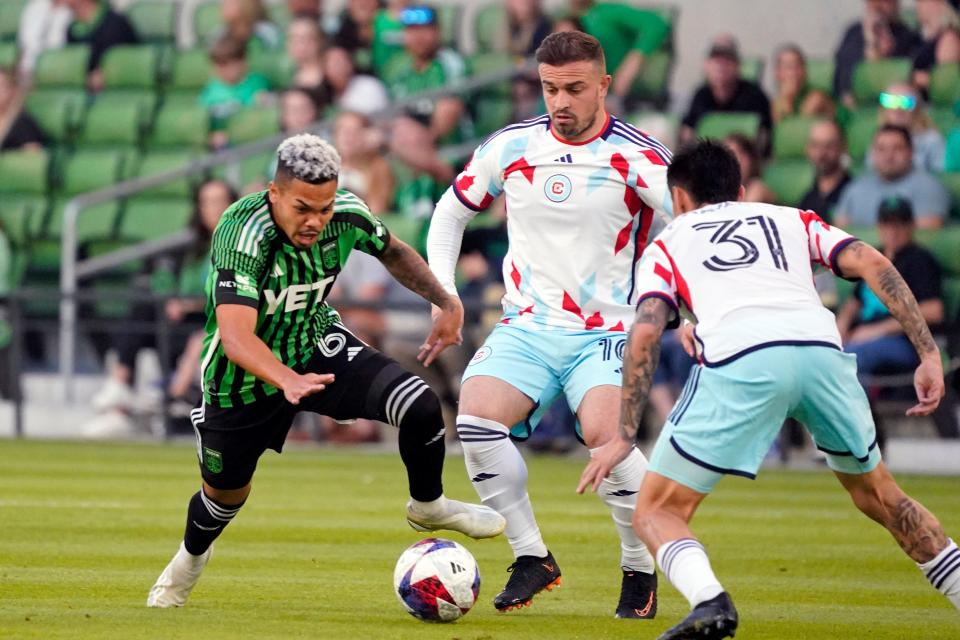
<point>178,579</point>
<point>474,520</point>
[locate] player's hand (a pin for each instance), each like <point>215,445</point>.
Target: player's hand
<point>447,323</point>
<point>301,386</point>
<point>686,339</point>
<point>928,382</point>
<point>603,460</point>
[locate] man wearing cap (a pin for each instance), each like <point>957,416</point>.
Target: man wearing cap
<point>725,90</point>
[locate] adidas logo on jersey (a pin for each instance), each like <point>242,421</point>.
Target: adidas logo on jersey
<point>568,159</point>
<point>277,270</point>
<point>352,353</point>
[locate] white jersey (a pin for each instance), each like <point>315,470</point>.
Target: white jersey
<point>744,271</point>
<point>578,219</point>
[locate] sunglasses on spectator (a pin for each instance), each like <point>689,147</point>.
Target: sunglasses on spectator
<point>898,101</point>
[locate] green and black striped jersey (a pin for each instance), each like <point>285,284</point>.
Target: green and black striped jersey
<point>254,264</point>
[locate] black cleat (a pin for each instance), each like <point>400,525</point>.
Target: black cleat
<point>710,620</point>
<point>638,595</point>
<point>529,575</point>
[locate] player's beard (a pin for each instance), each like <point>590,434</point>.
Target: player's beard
<point>574,128</point>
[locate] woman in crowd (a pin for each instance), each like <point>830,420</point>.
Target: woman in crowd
<point>795,97</point>
<point>749,158</point>
<point>17,129</point>
<point>940,30</point>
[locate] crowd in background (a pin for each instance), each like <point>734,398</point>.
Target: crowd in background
<point>351,67</point>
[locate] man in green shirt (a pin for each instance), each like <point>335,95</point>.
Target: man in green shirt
<point>628,35</point>
<point>273,347</point>
<point>231,88</point>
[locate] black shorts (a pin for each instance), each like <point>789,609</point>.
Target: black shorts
<point>230,441</point>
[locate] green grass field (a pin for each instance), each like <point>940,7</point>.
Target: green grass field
<point>86,528</point>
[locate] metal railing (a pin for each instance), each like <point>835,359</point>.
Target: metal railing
<point>73,270</point>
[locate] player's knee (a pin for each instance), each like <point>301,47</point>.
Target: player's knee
<point>423,416</point>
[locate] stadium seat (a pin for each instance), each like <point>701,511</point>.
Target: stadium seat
<point>180,126</point>
<point>255,168</point>
<point>90,170</point>
<point>62,68</point>
<point>945,245</point>
<point>945,118</point>
<point>871,77</point>
<point>951,297</point>
<point>131,67</point>
<point>789,179</point>
<point>405,228</point>
<point>206,19</point>
<point>59,112</point>
<point>721,124</point>
<point>155,162</point>
<point>24,172</point>
<point>253,124</point>
<point>150,218</point>
<point>274,66</point>
<point>10,18</point>
<point>154,20</point>
<point>189,71</point>
<point>95,222</point>
<point>863,125</point>
<point>820,74</point>
<point>752,69</point>
<point>952,182</point>
<point>448,19</point>
<point>8,53</point>
<point>652,84</point>
<point>113,122</point>
<point>491,62</point>
<point>21,218</point>
<point>945,85</point>
<point>491,113</point>
<point>790,137</point>
<point>489,25</point>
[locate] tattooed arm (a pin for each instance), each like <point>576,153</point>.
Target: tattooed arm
<point>639,362</point>
<point>859,260</point>
<point>410,270</point>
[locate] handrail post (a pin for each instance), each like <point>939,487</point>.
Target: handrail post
<point>68,299</point>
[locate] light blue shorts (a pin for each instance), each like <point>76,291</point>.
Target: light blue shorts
<point>543,363</point>
<point>728,416</point>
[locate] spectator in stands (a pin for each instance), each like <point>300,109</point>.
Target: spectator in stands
<point>312,9</point>
<point>247,21</point>
<point>795,97</point>
<point>189,270</point>
<point>352,91</point>
<point>901,105</point>
<point>298,110</point>
<point>893,175</point>
<point>232,87</point>
<point>363,168</point>
<point>305,51</point>
<point>951,161</point>
<point>940,31</point>
<point>429,122</point>
<point>372,35</point>
<point>879,34</point>
<point>567,23</point>
<point>629,35</point>
<point>98,25</point>
<point>756,190</point>
<point>43,25</point>
<point>725,90</point>
<point>826,151</point>
<point>17,129</point>
<point>527,25</point>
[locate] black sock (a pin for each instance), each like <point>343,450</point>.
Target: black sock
<point>422,447</point>
<point>206,519</point>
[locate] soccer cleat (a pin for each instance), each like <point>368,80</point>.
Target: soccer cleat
<point>711,620</point>
<point>476,521</point>
<point>529,575</point>
<point>174,585</point>
<point>113,395</point>
<point>638,595</point>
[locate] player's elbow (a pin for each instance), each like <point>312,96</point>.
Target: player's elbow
<point>860,260</point>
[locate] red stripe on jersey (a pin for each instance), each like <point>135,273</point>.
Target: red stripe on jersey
<point>527,310</point>
<point>514,275</point>
<point>653,157</point>
<point>682,289</point>
<point>594,321</point>
<point>617,327</point>
<point>623,238</point>
<point>570,305</point>
<point>522,166</point>
<point>662,271</point>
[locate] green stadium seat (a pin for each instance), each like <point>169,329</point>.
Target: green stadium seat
<point>790,137</point>
<point>404,228</point>
<point>8,54</point>
<point>90,170</point>
<point>820,74</point>
<point>21,218</point>
<point>652,84</point>
<point>154,20</point>
<point>789,179</point>
<point>131,67</point>
<point>720,124</point>
<point>951,297</point>
<point>148,218</point>
<point>448,19</point>
<point>752,69</point>
<point>863,125</point>
<point>945,118</point>
<point>945,85</point>
<point>489,26</point>
<point>10,18</point>
<point>491,113</point>
<point>274,66</point>
<point>256,168</point>
<point>95,222</point>
<point>180,126</point>
<point>58,111</point>
<point>871,77</point>
<point>189,71</point>
<point>945,245</point>
<point>24,172</point>
<point>112,122</point>
<point>253,124</point>
<point>491,62</point>
<point>155,162</point>
<point>206,19</point>
<point>952,182</point>
<point>62,68</point>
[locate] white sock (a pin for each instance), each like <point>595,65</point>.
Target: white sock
<point>686,565</point>
<point>431,509</point>
<point>499,476</point>
<point>943,572</point>
<point>619,492</point>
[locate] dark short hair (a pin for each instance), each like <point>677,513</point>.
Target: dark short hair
<point>707,170</point>
<point>227,49</point>
<point>565,47</point>
<point>895,210</point>
<point>895,128</point>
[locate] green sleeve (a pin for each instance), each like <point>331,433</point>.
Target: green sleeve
<point>653,30</point>
<point>238,262</point>
<point>370,234</point>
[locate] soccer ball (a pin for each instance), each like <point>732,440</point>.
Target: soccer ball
<point>437,580</point>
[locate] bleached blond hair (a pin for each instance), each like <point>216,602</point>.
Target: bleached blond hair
<point>308,158</point>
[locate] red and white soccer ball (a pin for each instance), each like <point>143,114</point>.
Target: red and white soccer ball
<point>437,580</point>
